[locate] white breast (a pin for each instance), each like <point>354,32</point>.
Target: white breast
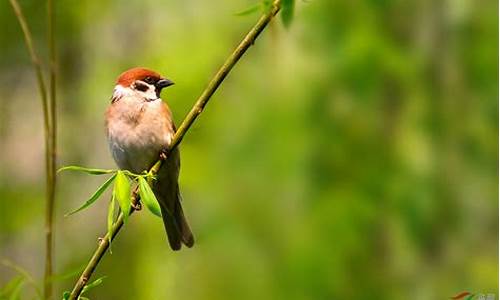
<point>137,131</point>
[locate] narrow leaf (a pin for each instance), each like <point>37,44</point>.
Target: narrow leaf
<point>267,5</point>
<point>287,9</point>
<point>91,171</point>
<point>148,197</point>
<point>25,274</point>
<point>95,196</point>
<point>66,295</point>
<point>10,286</point>
<point>67,274</point>
<point>122,192</point>
<point>111,216</point>
<point>15,294</point>
<point>249,10</point>
<point>93,284</point>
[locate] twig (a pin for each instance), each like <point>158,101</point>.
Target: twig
<point>40,80</point>
<point>49,133</point>
<point>51,187</point>
<point>49,117</point>
<point>36,65</point>
<point>181,131</point>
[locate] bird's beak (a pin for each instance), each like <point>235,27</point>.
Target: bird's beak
<point>163,83</point>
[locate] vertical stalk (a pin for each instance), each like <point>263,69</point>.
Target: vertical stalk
<point>51,187</point>
<point>49,126</point>
<point>39,76</point>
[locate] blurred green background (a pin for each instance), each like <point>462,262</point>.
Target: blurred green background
<point>353,156</point>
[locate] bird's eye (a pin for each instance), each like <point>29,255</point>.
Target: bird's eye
<point>149,80</point>
<point>141,86</point>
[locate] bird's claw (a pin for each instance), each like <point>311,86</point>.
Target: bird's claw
<point>136,206</point>
<point>163,154</point>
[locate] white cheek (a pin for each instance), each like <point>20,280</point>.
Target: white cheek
<point>122,91</point>
<point>150,93</point>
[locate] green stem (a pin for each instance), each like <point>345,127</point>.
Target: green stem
<point>49,136</point>
<point>181,131</point>
<point>49,211</point>
<point>36,65</point>
<point>40,80</point>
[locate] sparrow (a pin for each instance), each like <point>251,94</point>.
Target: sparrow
<point>139,127</point>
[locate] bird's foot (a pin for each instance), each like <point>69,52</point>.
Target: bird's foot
<point>163,154</point>
<point>136,206</point>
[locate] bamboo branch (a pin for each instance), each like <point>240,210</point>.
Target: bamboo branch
<point>49,137</point>
<point>39,75</point>
<point>50,201</point>
<point>181,131</point>
<point>49,133</point>
<point>34,60</point>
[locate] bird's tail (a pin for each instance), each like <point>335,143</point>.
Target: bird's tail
<point>167,192</point>
<point>176,225</point>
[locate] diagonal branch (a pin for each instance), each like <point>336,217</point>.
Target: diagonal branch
<point>181,131</point>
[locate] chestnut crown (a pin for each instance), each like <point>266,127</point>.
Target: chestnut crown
<point>140,75</point>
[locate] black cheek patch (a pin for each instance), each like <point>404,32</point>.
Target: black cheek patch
<point>141,86</point>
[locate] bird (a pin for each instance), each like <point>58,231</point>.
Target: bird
<point>139,127</point>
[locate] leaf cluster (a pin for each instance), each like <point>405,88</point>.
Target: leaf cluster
<point>87,288</point>
<point>121,194</point>
<point>287,10</point>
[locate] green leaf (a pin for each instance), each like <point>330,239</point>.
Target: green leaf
<point>148,197</point>
<point>249,10</point>
<point>67,274</point>
<point>91,171</point>
<point>66,295</point>
<point>287,8</point>
<point>95,196</point>
<point>15,293</point>
<point>122,192</point>
<point>11,286</point>
<point>93,284</point>
<point>111,216</point>
<point>267,5</point>
<point>24,274</point>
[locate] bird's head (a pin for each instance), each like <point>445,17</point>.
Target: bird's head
<point>140,82</point>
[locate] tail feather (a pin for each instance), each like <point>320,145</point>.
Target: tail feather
<point>167,192</point>
<point>174,238</point>
<point>182,224</point>
<point>176,226</point>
